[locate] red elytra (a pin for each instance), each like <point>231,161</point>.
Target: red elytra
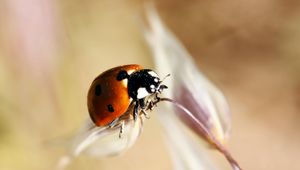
<point>108,97</point>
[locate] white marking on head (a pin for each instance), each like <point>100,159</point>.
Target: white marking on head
<point>152,73</point>
<point>142,92</point>
<point>152,87</point>
<point>156,80</point>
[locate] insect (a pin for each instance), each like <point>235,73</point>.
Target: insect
<point>116,90</point>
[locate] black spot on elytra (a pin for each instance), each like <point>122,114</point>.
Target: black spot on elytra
<point>122,75</point>
<point>110,108</point>
<point>98,90</point>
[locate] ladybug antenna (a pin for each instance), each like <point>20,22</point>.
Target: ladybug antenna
<point>168,75</point>
<point>122,75</point>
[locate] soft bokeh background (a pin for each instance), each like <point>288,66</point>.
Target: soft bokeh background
<point>50,51</point>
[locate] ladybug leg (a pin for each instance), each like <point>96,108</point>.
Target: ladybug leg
<point>113,123</point>
<point>121,129</point>
<point>142,104</point>
<point>153,103</point>
<point>136,110</point>
<point>145,114</point>
<point>150,105</point>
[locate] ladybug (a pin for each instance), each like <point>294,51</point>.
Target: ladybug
<point>115,90</point>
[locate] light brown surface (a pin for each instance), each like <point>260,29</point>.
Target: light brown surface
<point>248,48</point>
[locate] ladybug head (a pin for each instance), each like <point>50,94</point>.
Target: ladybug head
<point>152,82</point>
<point>142,83</point>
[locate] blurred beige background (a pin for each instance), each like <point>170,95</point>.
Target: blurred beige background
<point>50,52</point>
